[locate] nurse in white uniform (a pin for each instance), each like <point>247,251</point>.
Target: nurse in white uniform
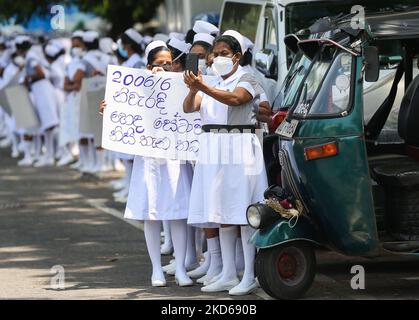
<point>72,85</point>
<point>55,56</point>
<point>93,66</point>
<point>229,174</point>
<point>44,98</point>
<point>159,191</point>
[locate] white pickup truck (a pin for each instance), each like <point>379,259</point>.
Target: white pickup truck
<point>266,22</point>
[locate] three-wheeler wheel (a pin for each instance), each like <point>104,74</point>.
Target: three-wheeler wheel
<point>286,271</point>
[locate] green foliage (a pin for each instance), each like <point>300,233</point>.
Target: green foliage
<point>121,14</point>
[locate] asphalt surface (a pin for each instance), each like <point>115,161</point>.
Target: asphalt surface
<point>55,217</point>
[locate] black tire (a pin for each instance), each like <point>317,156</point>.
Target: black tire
<point>286,271</point>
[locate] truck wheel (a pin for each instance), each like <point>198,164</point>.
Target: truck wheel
<point>286,271</point>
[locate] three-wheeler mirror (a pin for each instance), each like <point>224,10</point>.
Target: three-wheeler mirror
<point>372,64</point>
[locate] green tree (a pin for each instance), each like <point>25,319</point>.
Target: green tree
<point>121,14</point>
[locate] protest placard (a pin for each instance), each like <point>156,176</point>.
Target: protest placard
<point>144,115</point>
<point>3,99</point>
<point>21,107</point>
<point>92,92</point>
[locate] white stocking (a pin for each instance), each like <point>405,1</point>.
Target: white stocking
<point>249,252</point>
<point>191,249</point>
<point>216,264</point>
<point>49,144</point>
<point>178,230</point>
<point>152,237</point>
<point>228,237</point>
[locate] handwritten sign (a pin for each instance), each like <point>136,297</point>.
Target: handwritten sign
<point>21,106</point>
<point>144,115</point>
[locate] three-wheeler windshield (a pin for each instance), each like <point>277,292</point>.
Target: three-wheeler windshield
<point>326,89</point>
<point>289,90</point>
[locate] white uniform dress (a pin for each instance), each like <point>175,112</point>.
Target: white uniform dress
<point>57,79</point>
<point>9,74</point>
<point>159,189</point>
<point>230,172</point>
<point>71,111</point>
<point>43,94</point>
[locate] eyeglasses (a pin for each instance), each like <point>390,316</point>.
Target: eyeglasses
<point>166,66</point>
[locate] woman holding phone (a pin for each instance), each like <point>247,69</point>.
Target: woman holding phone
<point>224,185</point>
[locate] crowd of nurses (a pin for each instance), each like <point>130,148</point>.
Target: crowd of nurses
<point>198,207</point>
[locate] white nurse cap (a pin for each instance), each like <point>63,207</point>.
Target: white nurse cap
<point>134,35</point>
<point>180,45</point>
<point>177,35</point>
<point>236,35</point>
<point>204,37</point>
<point>248,44</point>
<point>107,45</point>
<point>21,39</point>
<point>205,27</point>
<point>90,36</point>
<point>161,37</point>
<point>52,50</point>
<point>153,45</point>
<point>78,34</point>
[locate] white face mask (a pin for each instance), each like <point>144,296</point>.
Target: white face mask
<point>19,61</point>
<point>223,66</point>
<point>77,52</point>
<point>202,66</point>
<point>210,72</point>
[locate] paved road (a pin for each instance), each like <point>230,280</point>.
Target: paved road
<point>53,217</point>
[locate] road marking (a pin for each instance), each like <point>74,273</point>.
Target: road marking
<point>100,205</point>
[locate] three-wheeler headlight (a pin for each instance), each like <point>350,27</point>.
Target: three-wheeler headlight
<point>260,216</point>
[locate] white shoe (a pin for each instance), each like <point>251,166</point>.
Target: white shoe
<point>76,165</point>
<point>158,283</point>
<point>166,249</point>
<point>65,160</point>
<point>198,272</point>
<point>185,282</point>
<point>44,162</point>
<point>170,267</point>
<point>25,162</point>
<point>220,286</point>
<point>6,142</point>
<point>121,194</point>
<point>242,291</point>
<point>192,266</point>
<point>172,270</point>
<point>203,279</point>
<point>213,279</point>
<point>121,199</point>
<point>117,185</point>
<point>15,154</point>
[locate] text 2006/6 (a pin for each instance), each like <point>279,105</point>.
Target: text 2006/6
<point>230,309</point>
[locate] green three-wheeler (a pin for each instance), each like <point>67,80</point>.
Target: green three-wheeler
<point>348,183</point>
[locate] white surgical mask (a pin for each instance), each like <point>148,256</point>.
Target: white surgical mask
<point>210,71</point>
<point>202,66</point>
<point>223,66</point>
<point>77,52</point>
<point>19,61</point>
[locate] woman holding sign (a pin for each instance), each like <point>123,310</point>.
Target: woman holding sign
<point>160,190</point>
<point>229,174</point>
